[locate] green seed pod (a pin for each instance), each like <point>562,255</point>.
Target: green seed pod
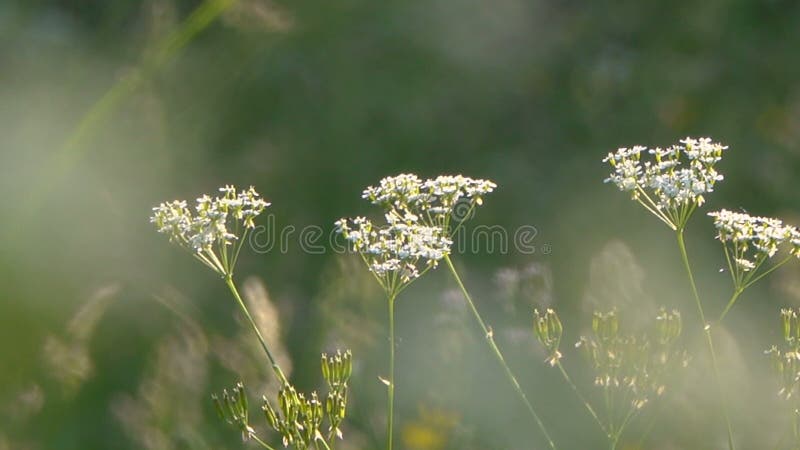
<point>347,360</point>
<point>241,398</point>
<point>269,414</point>
<point>326,369</point>
<point>786,318</point>
<point>330,407</point>
<point>218,406</point>
<point>230,406</point>
<point>540,328</point>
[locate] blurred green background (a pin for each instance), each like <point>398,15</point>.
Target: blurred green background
<point>112,338</point>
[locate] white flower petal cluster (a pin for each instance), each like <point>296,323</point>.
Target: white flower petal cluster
<point>669,182</point>
<point>417,231</point>
<point>433,201</point>
<point>214,224</point>
<point>751,239</point>
<point>400,248</point>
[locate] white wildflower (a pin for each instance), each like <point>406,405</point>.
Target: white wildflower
<point>672,182</point>
<point>397,252</point>
<point>749,241</point>
<point>433,201</point>
<point>211,230</point>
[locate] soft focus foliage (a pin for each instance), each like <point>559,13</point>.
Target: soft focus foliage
<point>111,339</point>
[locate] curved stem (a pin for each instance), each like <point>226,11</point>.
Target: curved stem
<point>709,340</point>
<point>390,390</point>
<point>490,340</point>
<point>273,362</point>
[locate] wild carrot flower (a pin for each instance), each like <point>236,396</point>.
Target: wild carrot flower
<point>212,231</point>
<point>434,201</point>
<point>749,241</point>
<point>399,251</point>
<point>671,182</point>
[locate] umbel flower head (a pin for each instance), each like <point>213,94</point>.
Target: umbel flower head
<point>749,241</point>
<point>434,201</point>
<point>417,233</point>
<point>215,229</point>
<point>670,183</point>
<point>399,251</point>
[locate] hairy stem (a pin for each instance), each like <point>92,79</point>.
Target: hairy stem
<point>498,354</point>
<point>709,340</point>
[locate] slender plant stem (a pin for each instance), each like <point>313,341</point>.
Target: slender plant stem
<point>273,362</point>
<point>324,444</point>
<point>263,444</point>
<point>390,390</point>
<point>498,354</point>
<point>728,307</point>
<point>582,398</point>
<point>709,340</point>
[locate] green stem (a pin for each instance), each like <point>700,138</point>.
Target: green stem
<point>709,340</point>
<point>622,426</point>
<point>273,362</point>
<point>728,307</point>
<point>497,353</point>
<point>324,444</point>
<point>582,398</point>
<point>263,444</point>
<point>390,403</point>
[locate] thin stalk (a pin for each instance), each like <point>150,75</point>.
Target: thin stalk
<point>498,354</point>
<point>273,362</point>
<point>582,398</point>
<point>728,307</point>
<point>750,282</point>
<point>621,429</point>
<point>390,403</point>
<point>263,444</point>
<point>324,444</point>
<point>709,340</point>
<point>609,412</point>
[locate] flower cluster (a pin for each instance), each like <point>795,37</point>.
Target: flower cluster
<point>672,182</point>
<point>417,233</point>
<point>210,231</point>
<point>433,201</point>
<point>786,359</point>
<point>749,241</point>
<point>397,252</point>
<point>634,365</point>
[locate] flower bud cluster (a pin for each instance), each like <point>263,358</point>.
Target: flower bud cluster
<point>786,357</point>
<point>232,408</point>
<point>637,365</point>
<point>670,182</point>
<point>210,229</point>
<point>548,330</point>
<point>751,240</point>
